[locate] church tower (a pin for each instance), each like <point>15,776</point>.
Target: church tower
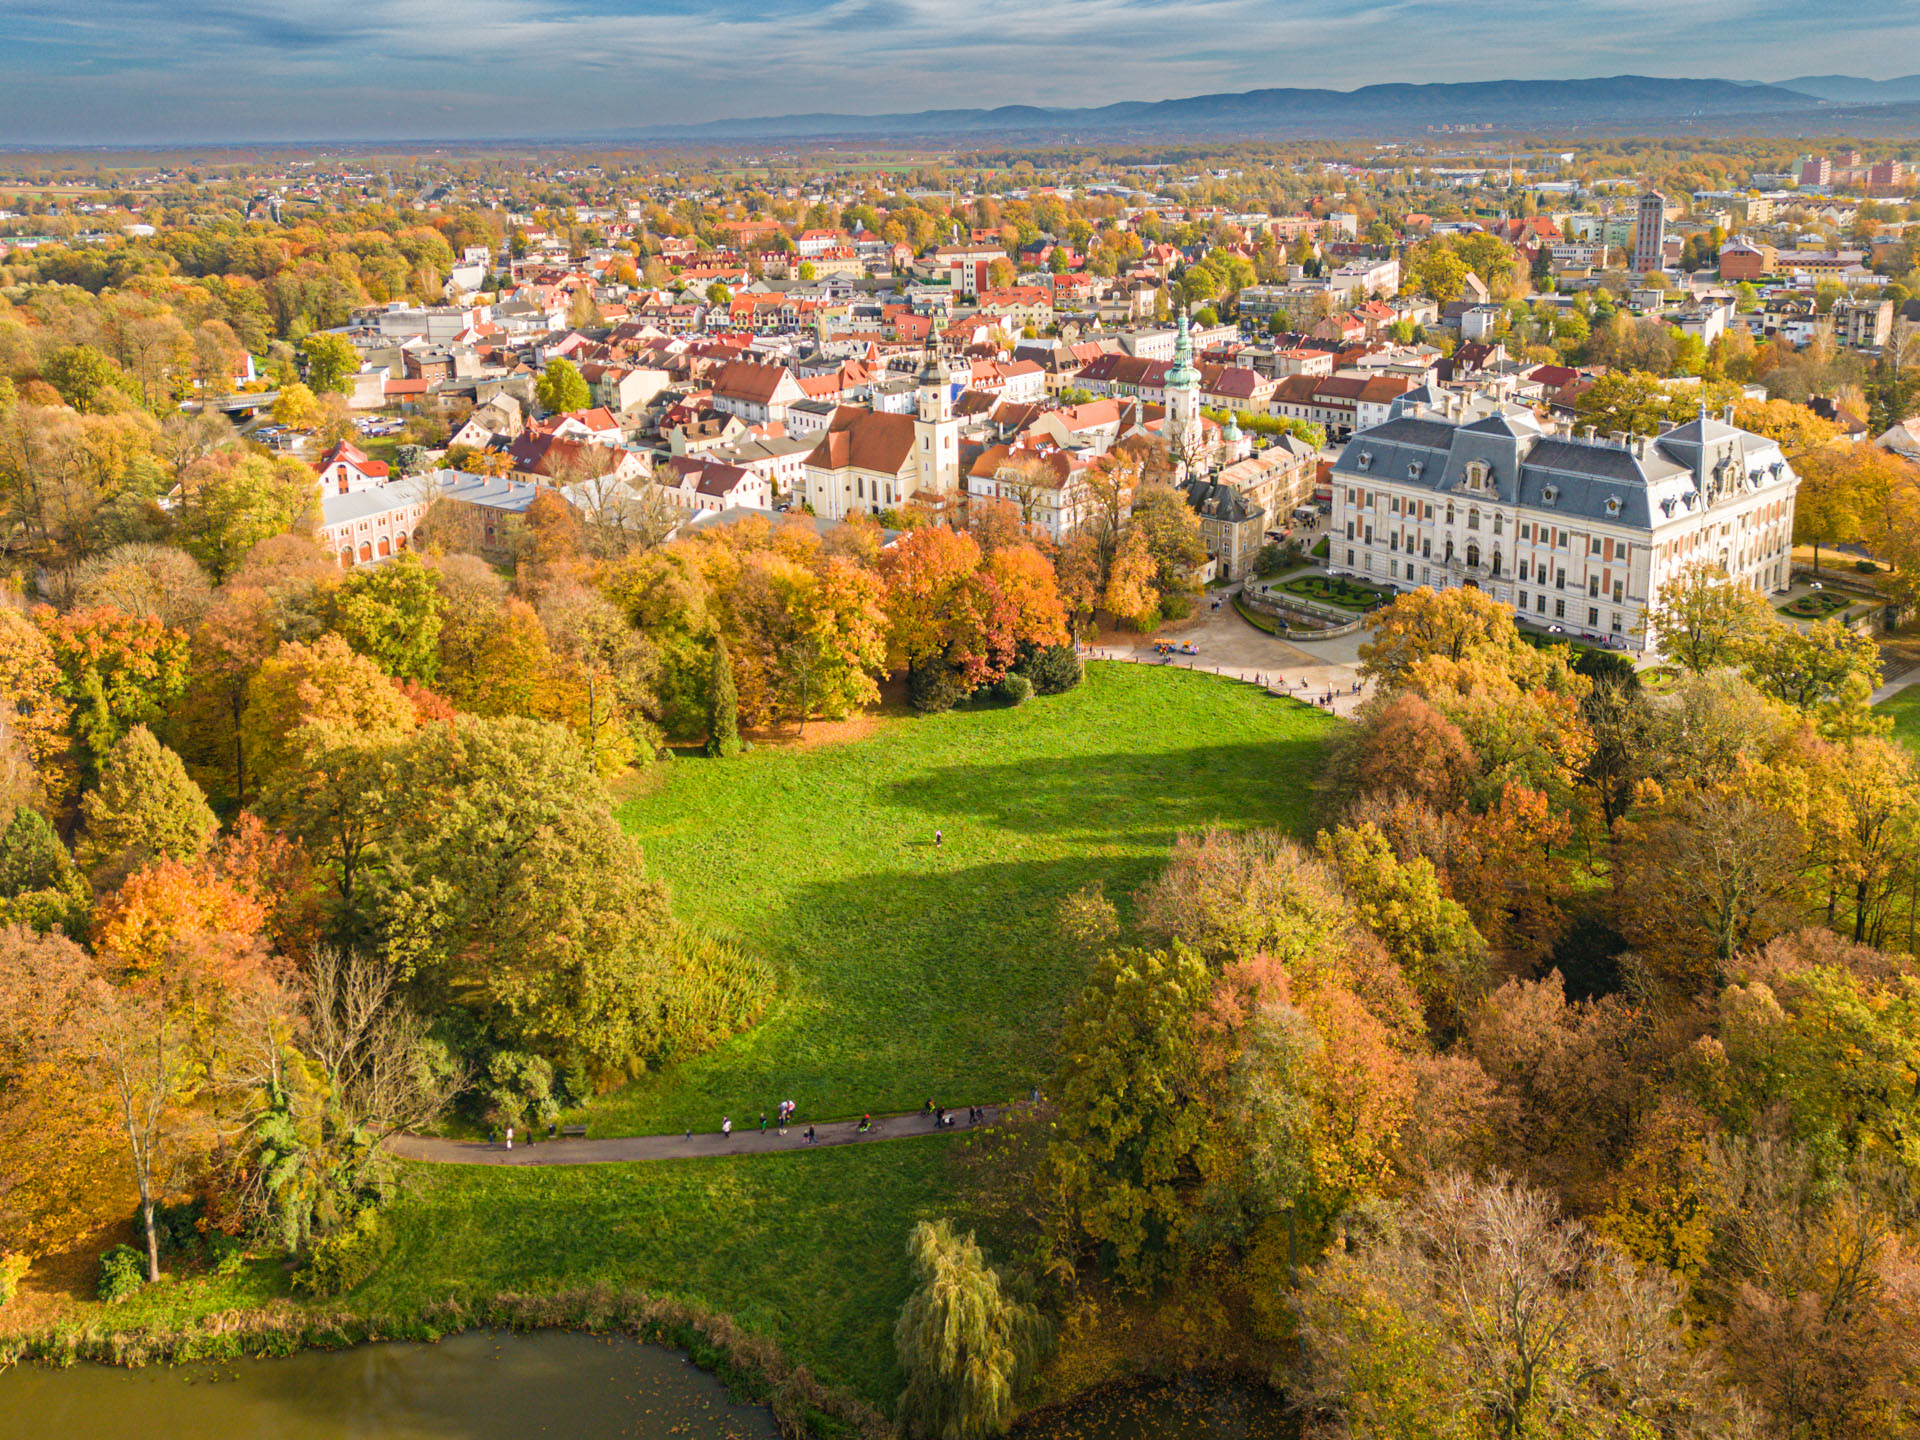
<point>1183,402</point>
<point>936,434</point>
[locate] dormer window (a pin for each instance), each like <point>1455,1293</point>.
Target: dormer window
<point>1478,475</point>
<point>1365,460</point>
<point>1613,504</point>
<point>1414,467</point>
<point>1550,494</point>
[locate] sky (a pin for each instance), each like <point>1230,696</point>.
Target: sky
<point>175,71</point>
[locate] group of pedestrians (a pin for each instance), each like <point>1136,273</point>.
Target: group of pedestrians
<point>783,1117</point>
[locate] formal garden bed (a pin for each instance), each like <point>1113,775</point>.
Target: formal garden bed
<point>1818,604</point>
<point>1339,590</point>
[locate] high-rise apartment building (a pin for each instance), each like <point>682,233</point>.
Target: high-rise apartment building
<point>1816,170</point>
<point>1650,233</point>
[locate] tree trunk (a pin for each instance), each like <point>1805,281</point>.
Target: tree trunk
<point>153,1241</point>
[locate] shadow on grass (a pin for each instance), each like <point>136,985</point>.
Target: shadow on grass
<point>1146,796</point>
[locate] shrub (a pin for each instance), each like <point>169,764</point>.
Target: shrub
<point>1016,689</point>
<point>343,1259</point>
<point>1865,567</point>
<point>228,1253</point>
<point>933,687</point>
<point>12,1266</point>
<point>1053,669</point>
<point>1177,606</point>
<point>176,1230</point>
<point>123,1271</point>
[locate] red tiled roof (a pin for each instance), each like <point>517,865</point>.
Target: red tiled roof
<point>862,439</point>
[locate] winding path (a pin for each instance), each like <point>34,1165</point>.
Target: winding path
<point>700,1145</point>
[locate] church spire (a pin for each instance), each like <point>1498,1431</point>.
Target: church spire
<point>1183,375</point>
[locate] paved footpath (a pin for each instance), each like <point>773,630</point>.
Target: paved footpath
<point>1895,686</point>
<point>701,1145</point>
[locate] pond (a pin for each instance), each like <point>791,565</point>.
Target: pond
<point>481,1385</point>
<point>1191,1408</point>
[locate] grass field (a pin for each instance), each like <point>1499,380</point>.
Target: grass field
<point>1904,707</point>
<point>807,1247</point>
<point>909,971</point>
<point>906,971</point>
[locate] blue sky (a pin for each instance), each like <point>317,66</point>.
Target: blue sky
<point>118,71</point>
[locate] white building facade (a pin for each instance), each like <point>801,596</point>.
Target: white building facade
<point>1579,532</point>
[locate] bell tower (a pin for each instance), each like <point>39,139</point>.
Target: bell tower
<point>936,433</point>
<point>1183,401</point>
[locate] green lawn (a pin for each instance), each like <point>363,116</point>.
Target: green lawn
<point>1904,707</point>
<point>907,971</point>
<point>808,1248</point>
<point>910,972</point>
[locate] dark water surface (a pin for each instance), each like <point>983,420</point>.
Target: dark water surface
<point>1195,1408</point>
<point>482,1385</point>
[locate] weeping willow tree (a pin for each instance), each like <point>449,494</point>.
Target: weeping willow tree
<point>964,1341</point>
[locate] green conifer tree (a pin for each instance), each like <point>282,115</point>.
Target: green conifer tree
<point>723,724</point>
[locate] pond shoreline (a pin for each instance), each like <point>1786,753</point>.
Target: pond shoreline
<point>752,1367</point>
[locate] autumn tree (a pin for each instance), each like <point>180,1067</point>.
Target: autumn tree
<point>145,807</point>
<point>1481,1311</point>
<point>1428,935</point>
<point>391,614</point>
<point>1814,1286</point>
<point>51,1196</point>
<point>297,408</point>
<point>1454,624</point>
<point>332,362</point>
<point>966,1344</point>
<point>560,390</point>
<point>1826,671</point>
<point>1130,595</point>
<point>1123,1172</point>
<point>1706,619</point>
<point>232,508</point>
<point>502,881</point>
<point>308,698</point>
<point>34,689</point>
<point>117,671</point>
<point>144,579</point>
<point>1708,871</point>
<point>600,681</point>
<point>182,973</point>
<point>1171,530</point>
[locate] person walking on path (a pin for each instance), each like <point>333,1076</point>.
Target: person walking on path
<point>809,1135</point>
<point>509,1137</point>
<point>726,1126</point>
<point>763,1122</point>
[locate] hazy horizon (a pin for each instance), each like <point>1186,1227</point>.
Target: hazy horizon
<point>212,71</point>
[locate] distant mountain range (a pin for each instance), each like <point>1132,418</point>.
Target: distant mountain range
<point>1852,90</point>
<point>1825,103</point>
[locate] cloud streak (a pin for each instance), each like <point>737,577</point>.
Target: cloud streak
<point>133,71</point>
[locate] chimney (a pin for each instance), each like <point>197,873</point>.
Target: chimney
<point>1727,414</point>
<point>1587,432</point>
<point>1665,426</point>
<point>1617,439</point>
